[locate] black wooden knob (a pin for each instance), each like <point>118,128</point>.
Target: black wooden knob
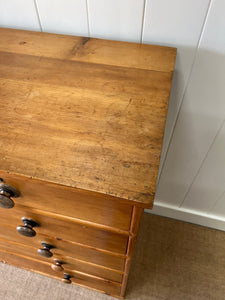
<point>66,278</point>
<point>7,191</point>
<point>57,266</point>
<point>45,251</point>
<point>27,230</point>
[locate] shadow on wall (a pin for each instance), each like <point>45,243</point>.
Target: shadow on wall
<point>180,77</point>
<point>201,116</point>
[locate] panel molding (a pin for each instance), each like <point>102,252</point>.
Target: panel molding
<point>143,20</point>
<point>38,16</point>
<point>188,215</point>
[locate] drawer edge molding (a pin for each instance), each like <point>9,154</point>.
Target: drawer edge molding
<point>95,265</point>
<point>65,230</point>
<point>108,196</point>
<point>60,253</point>
<point>57,277</point>
<point>134,228</point>
<point>97,277</point>
<point>94,248</point>
<point>70,201</point>
<point>75,220</point>
<point>43,236</point>
<point>69,270</point>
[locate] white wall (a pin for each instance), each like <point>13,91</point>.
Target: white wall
<point>191,184</point>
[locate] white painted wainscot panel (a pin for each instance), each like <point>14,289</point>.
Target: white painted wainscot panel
<point>209,184</point>
<point>19,15</point>
<point>192,183</point>
<point>64,16</point>
<point>210,72</point>
<point>176,23</point>
<point>116,19</point>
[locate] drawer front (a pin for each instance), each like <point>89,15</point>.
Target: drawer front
<point>63,249</point>
<point>44,268</point>
<point>64,229</point>
<point>72,202</point>
<point>68,262</point>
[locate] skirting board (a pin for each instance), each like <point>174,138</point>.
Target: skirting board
<point>190,216</point>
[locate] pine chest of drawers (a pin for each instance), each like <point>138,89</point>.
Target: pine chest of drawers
<point>82,123</point>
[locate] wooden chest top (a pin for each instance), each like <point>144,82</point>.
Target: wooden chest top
<point>84,112</point>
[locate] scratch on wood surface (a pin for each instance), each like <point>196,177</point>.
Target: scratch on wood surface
<point>129,103</point>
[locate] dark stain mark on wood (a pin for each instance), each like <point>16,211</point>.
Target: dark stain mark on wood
<point>77,47</point>
<point>3,261</point>
<point>85,40</point>
<point>146,194</point>
<point>126,165</point>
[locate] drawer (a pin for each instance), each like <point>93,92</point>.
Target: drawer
<point>63,248</point>
<point>72,202</point>
<point>43,268</point>
<point>64,229</point>
<point>68,262</point>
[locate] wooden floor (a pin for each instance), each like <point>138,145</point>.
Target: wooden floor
<point>173,261</point>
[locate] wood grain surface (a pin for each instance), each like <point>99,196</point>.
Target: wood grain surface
<point>69,263</point>
<point>86,207</point>
<point>173,260</point>
<point>104,286</point>
<point>84,112</point>
<point>67,230</point>
<point>63,249</point>
<point>91,50</point>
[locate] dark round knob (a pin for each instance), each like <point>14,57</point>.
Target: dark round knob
<point>6,202</point>
<point>27,230</point>
<point>7,191</point>
<point>57,266</point>
<point>45,251</point>
<point>66,278</point>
